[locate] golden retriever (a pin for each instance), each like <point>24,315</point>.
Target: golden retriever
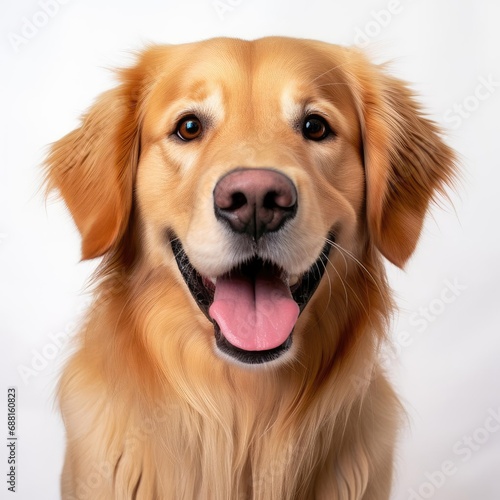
<point>242,195</point>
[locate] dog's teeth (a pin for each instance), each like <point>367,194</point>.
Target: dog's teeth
<point>293,280</point>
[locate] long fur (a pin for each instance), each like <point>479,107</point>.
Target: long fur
<point>150,411</point>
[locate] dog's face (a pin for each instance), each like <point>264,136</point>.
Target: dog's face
<point>252,164</point>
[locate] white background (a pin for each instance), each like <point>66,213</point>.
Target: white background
<point>447,362</point>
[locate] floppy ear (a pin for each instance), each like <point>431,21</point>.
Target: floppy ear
<point>93,167</point>
<point>406,162</point>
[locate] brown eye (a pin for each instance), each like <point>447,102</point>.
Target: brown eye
<point>188,128</point>
<point>315,128</point>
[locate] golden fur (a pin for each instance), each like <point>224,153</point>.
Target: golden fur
<point>151,410</point>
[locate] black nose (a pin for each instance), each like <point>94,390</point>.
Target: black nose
<point>255,201</point>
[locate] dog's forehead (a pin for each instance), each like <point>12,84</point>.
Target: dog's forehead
<point>269,63</point>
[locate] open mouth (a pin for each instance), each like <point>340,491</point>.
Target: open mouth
<point>254,307</point>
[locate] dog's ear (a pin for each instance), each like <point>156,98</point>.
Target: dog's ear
<point>93,167</point>
<point>406,162</point>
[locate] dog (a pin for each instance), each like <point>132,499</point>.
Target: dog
<point>243,196</point>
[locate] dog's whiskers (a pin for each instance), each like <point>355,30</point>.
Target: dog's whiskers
<point>332,84</point>
<point>346,253</point>
<point>330,283</point>
<point>356,261</point>
<point>344,283</point>
<point>329,70</point>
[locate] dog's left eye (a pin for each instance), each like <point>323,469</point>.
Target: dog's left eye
<point>315,128</point>
<point>188,128</point>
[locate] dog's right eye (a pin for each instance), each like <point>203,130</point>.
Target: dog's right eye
<point>188,128</point>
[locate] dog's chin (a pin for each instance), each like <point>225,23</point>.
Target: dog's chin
<point>251,351</point>
<point>245,357</point>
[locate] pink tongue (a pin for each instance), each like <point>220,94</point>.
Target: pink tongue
<point>254,315</point>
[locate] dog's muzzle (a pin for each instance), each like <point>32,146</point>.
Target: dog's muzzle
<point>253,307</point>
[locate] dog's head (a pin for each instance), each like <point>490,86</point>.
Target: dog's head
<point>249,165</point>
